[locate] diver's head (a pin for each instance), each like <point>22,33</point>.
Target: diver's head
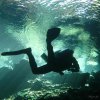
<point>68,52</point>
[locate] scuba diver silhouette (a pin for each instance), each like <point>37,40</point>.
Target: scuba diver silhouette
<point>56,62</point>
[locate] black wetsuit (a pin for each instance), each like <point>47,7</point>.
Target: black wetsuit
<point>57,63</point>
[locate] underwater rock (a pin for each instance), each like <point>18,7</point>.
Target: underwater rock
<point>15,80</point>
<point>37,86</point>
<point>69,94</point>
<point>43,88</point>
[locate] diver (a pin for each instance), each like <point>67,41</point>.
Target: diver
<point>56,62</point>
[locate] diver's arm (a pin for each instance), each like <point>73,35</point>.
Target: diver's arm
<point>61,73</point>
<point>75,65</point>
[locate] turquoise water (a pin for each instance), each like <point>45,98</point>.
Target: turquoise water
<point>24,23</point>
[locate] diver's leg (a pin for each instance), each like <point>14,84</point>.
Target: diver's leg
<point>32,61</point>
<point>27,51</point>
<point>51,35</point>
<point>51,55</point>
<point>23,51</point>
<point>37,70</point>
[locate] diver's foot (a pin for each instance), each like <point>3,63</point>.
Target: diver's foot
<point>5,53</point>
<point>23,51</point>
<point>52,34</point>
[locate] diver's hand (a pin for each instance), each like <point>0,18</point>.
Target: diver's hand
<point>73,70</point>
<point>61,73</point>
